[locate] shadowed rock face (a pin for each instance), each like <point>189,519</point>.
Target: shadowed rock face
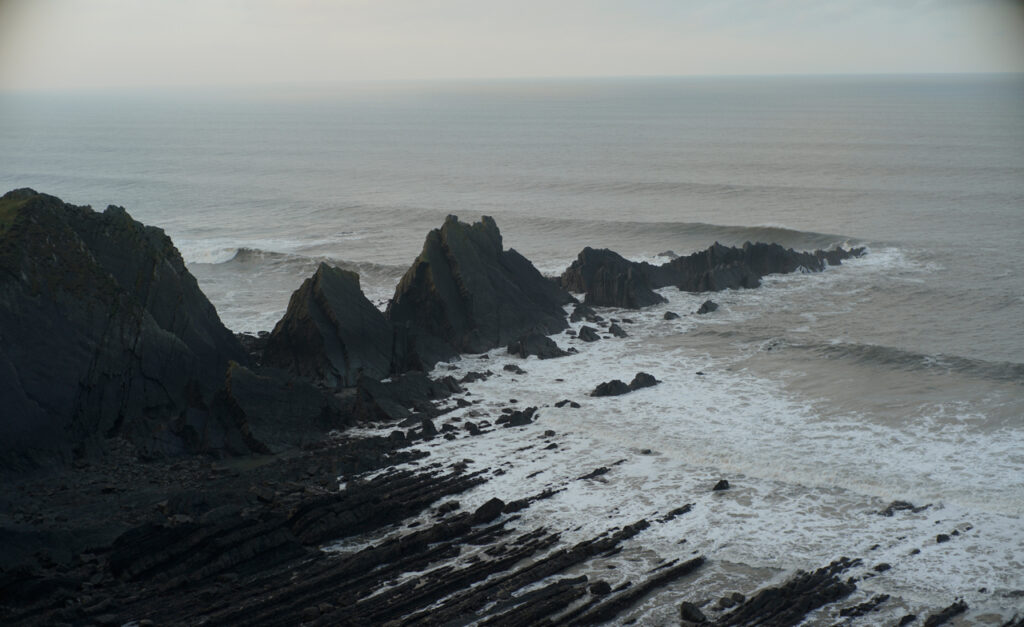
<point>103,332</point>
<point>464,294</point>
<point>610,280</point>
<point>332,333</point>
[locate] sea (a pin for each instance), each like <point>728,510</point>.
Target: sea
<point>820,397</point>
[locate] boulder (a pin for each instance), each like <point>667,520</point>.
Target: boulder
<point>617,331</point>
<point>103,333</point>
<point>536,344</point>
<point>610,280</point>
<point>642,380</point>
<point>583,312</point>
<point>691,614</point>
<point>518,418</point>
<point>723,484</point>
<point>707,307</point>
<point>671,315</point>
<point>332,334</point>
<point>588,334</point>
<point>466,294</point>
<point>614,387</point>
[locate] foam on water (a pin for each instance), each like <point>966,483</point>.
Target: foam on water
<point>807,485</point>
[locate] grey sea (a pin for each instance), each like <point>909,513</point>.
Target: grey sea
<point>823,397</point>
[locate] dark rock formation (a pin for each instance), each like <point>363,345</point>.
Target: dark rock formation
<point>946,615</point>
<point>583,312</point>
<point>615,387</point>
<point>397,398</point>
<point>723,484</point>
<point>277,409</point>
<point>617,331</point>
<point>609,279</point>
<point>690,613</point>
<point>642,380</point>
<point>465,294</point>
<point>518,418</point>
<point>104,334</point>
<point>536,344</point>
<point>671,315</point>
<point>707,307</point>
<point>332,334</point>
<point>588,334</point>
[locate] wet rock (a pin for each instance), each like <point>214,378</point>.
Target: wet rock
<point>474,376</point>
<point>488,511</point>
<point>881,568</point>
<point>900,506</point>
<point>707,307</point>
<point>721,485</point>
<point>588,334</point>
<point>615,387</point>
<point>514,369</point>
<point>465,294</point>
<point>642,380</point>
<point>617,331</point>
<point>671,315</point>
<point>946,615</point>
<point>536,344</point>
<point>567,402</point>
<point>600,588</point>
<point>472,428</point>
<point>427,428</point>
<point>942,537</point>
<point>582,312</point>
<point>310,614</point>
<point>518,418</point>
<point>690,613</point>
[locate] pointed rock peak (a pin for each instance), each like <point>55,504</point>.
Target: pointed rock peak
<point>483,234</point>
<point>327,272</point>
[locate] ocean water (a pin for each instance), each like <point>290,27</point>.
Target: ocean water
<point>899,375</point>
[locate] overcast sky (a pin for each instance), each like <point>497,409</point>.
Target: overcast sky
<point>126,43</point>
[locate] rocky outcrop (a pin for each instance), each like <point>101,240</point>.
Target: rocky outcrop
<point>332,334</point>
<point>609,279</point>
<point>707,307</point>
<point>104,334</point>
<point>465,294</point>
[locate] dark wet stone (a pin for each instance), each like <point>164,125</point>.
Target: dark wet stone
<point>707,307</point>
<point>721,485</point>
<point>488,511</point>
<point>691,613</point>
<point>942,537</point>
<point>614,387</point>
<point>642,380</point>
<point>588,334</point>
<point>536,344</point>
<point>671,315</point>
<point>617,331</point>
<point>600,588</point>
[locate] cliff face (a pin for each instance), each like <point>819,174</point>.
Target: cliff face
<point>465,294</point>
<point>103,332</point>
<point>333,334</point>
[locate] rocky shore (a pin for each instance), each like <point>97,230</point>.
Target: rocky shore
<point>158,470</point>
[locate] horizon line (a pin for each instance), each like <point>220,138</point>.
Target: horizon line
<point>476,79</point>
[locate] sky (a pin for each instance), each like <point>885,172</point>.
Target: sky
<point>95,44</point>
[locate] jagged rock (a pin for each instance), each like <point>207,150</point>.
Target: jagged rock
<point>465,294</point>
<point>332,334</point>
<point>707,307</point>
<point>514,369</point>
<point>899,506</point>
<point>942,537</point>
<point>671,315</point>
<point>617,331</point>
<point>610,280</point>
<point>946,615</point>
<point>723,484</point>
<point>600,588</point>
<point>588,334</point>
<point>536,344</point>
<point>427,428</point>
<point>642,380</point>
<point>614,387</point>
<point>105,334</point>
<point>476,376</point>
